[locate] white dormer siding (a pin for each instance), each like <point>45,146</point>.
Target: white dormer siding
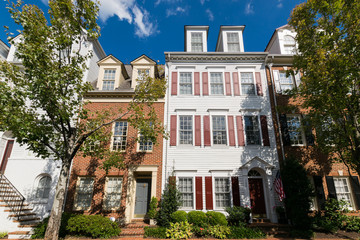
<point>142,66</point>
<point>110,74</point>
<point>196,38</point>
<point>282,41</point>
<point>230,39</point>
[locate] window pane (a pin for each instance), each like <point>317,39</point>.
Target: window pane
<point>216,84</point>
<point>252,130</point>
<point>222,192</point>
<point>233,42</point>
<point>286,82</point>
<point>84,193</point>
<point>108,85</point>
<point>185,83</point>
<point>343,190</point>
<point>109,74</point>
<point>219,130</point>
<point>295,130</point>
<point>186,189</point>
<point>186,130</point>
<point>145,145</point>
<point>247,83</point>
<point>113,193</point>
<point>196,42</point>
<point>43,189</point>
<point>119,139</point>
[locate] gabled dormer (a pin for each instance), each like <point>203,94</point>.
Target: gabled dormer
<point>4,50</point>
<point>112,74</point>
<point>230,39</point>
<point>282,41</point>
<point>196,38</point>
<point>141,67</point>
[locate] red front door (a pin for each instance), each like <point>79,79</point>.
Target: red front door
<point>257,199</point>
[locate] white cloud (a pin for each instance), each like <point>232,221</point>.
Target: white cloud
<point>46,2</point>
<point>249,8</point>
<point>202,2</point>
<point>173,12</point>
<point>210,14</point>
<point>279,5</point>
<point>166,1</point>
<point>143,27</point>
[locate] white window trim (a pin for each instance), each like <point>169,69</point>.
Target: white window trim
<point>193,191</point>
<point>102,81</point>
<point>75,207</point>
<point>303,137</point>
<point>226,129</point>
<point>106,194</point>
<point>192,81</point>
<point>112,136</point>
<point>352,200</point>
<point>214,193</point>
<point>203,39</point>
<point>36,185</point>
<point>138,146</point>
<point>178,129</point>
<point>223,82</point>
<point>260,130</point>
<point>227,40</point>
<point>254,81</point>
<point>143,69</point>
<point>283,91</point>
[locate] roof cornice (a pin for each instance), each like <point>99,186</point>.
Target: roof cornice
<point>215,57</point>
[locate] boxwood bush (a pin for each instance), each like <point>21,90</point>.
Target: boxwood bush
<point>198,218</point>
<point>155,232</point>
<point>178,216</point>
<point>216,218</point>
<point>238,215</point>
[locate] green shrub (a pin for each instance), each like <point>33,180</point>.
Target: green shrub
<point>216,218</point>
<point>94,226</point>
<point>245,232</point>
<point>3,235</point>
<point>238,216</point>
<point>179,230</point>
<point>152,208</point>
<point>169,203</point>
<point>179,216</point>
<point>201,231</point>
<point>219,231</point>
<point>352,224</point>
<point>198,218</point>
<point>155,232</point>
<point>40,229</point>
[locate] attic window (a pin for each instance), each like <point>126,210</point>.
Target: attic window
<point>109,79</point>
<point>142,73</point>
<point>233,42</point>
<point>196,42</point>
<point>289,44</point>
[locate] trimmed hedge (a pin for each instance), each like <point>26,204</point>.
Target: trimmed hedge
<point>155,232</point>
<point>197,218</point>
<point>178,216</point>
<point>216,218</point>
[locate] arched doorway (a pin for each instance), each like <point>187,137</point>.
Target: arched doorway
<point>257,196</point>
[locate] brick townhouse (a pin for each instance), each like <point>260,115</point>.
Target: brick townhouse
<point>329,180</point>
<point>119,193</point>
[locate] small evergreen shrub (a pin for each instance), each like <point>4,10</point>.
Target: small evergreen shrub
<point>351,224</point>
<point>155,232</point>
<point>152,208</point>
<point>238,216</point>
<point>40,229</point>
<point>178,216</point>
<point>216,218</point>
<point>198,218</point>
<point>245,232</point>
<point>179,230</point>
<point>3,235</point>
<point>219,231</point>
<point>332,218</point>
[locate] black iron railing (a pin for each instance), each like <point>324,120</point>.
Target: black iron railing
<point>11,196</point>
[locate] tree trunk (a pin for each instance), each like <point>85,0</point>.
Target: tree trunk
<point>52,230</point>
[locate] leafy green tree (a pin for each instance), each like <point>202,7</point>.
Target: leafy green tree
<point>328,38</point>
<point>41,102</point>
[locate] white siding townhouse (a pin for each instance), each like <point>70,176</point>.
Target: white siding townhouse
<point>22,173</point>
<point>222,147</point>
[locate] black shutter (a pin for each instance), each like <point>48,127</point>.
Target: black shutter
<point>284,130</point>
<point>331,187</point>
<point>356,189</point>
<point>308,132</point>
<point>319,190</point>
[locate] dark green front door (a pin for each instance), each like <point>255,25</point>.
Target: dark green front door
<point>142,199</point>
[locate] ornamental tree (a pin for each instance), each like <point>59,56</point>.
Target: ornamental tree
<point>328,38</point>
<point>41,101</point>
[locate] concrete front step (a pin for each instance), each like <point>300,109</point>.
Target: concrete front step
<point>19,235</point>
<point>27,219</point>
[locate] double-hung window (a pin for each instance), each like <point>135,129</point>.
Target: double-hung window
<point>84,193</point>
<point>343,191</point>
<point>120,136</point>
<point>185,83</point>
<point>145,145</point>
<point>186,130</point>
<point>295,130</point>
<point>113,193</point>
<point>289,45</point>
<point>252,130</point>
<point>142,73</point>
<point>187,192</point>
<point>233,42</point>
<point>109,79</point>
<point>216,83</point>
<point>219,130</point>
<point>247,83</point>
<point>222,192</point>
<point>286,82</point>
<point>196,42</point>
<point>43,188</point>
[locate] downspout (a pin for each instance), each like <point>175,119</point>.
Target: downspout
<point>268,65</point>
<point>167,118</point>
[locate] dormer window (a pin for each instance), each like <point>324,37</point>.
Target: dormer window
<point>233,42</point>
<point>196,42</point>
<point>142,73</point>
<point>289,44</point>
<point>109,79</point>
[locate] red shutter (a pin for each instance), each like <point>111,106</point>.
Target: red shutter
<point>208,193</point>
<point>7,154</point>
<point>207,138</point>
<point>231,131</point>
<point>173,130</point>
<point>205,83</point>
<point>199,198</point>
<point>196,84</point>
<point>258,84</point>
<point>174,76</point>
<point>236,84</point>
<point>227,84</point>
<point>240,131</point>
<point>235,191</point>
<point>197,131</point>
<point>264,129</point>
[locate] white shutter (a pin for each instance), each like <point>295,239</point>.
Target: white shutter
<point>298,79</point>
<point>277,81</point>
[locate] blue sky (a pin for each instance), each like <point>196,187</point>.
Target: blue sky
<point>130,28</point>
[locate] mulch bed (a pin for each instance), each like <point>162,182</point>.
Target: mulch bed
<point>340,234</point>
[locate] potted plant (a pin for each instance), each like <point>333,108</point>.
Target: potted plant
<point>151,214</point>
